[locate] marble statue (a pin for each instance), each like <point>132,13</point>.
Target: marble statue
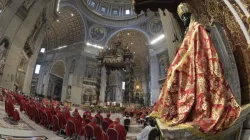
<point>68,93</point>
<point>195,92</point>
<point>3,51</point>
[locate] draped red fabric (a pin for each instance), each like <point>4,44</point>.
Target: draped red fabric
<point>82,132</point>
<point>120,129</point>
<point>10,108</point>
<point>195,92</point>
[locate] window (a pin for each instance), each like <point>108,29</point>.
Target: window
<point>115,12</point>
<point>123,85</point>
<point>103,9</point>
<point>127,12</point>
<point>37,70</point>
<point>42,50</point>
<point>92,4</point>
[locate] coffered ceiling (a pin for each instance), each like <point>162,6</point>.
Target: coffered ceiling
<point>66,30</point>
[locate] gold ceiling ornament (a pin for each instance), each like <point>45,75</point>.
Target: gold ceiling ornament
<point>183,8</point>
<point>248,20</point>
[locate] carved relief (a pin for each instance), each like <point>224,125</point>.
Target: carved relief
<point>88,95</point>
<point>21,72</point>
<point>29,44</point>
<point>4,45</point>
<point>97,33</point>
<point>155,26</point>
<point>91,65</point>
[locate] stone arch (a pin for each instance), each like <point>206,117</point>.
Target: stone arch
<point>58,68</point>
<point>56,78</point>
<point>62,4</point>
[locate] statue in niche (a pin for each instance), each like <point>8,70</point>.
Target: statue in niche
<point>3,52</point>
<point>183,100</point>
<point>68,93</point>
<point>28,3</point>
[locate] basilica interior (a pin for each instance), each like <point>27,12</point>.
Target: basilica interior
<point>124,59</point>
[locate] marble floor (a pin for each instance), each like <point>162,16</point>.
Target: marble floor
<point>29,130</point>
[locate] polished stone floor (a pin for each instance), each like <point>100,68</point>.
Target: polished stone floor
<point>29,130</point>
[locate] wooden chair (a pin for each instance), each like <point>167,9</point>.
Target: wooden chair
<point>56,124</point>
<point>105,125</point>
<point>112,134</point>
<point>89,132</point>
<point>71,128</point>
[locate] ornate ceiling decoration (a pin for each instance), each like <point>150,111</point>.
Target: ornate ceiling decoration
<point>66,30</point>
<point>111,9</point>
<point>155,5</point>
<point>138,44</point>
<point>115,13</point>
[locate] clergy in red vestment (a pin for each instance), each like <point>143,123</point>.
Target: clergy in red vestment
<point>97,129</point>
<point>119,128</point>
<point>10,108</point>
<point>99,115</point>
<point>195,92</point>
<point>16,116</point>
<point>89,116</point>
<point>107,119</point>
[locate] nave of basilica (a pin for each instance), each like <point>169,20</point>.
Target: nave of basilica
<point>125,69</point>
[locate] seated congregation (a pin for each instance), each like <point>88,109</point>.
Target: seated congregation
<point>73,125</point>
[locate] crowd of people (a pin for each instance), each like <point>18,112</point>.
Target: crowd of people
<point>59,119</point>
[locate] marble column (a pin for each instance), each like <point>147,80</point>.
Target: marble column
<point>103,84</point>
<point>32,62</point>
<point>107,92</point>
<point>154,73</point>
<point>18,39</point>
<point>170,27</point>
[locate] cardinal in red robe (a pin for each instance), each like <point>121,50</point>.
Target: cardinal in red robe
<point>119,128</point>
<point>107,119</point>
<point>97,129</point>
<point>99,115</point>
